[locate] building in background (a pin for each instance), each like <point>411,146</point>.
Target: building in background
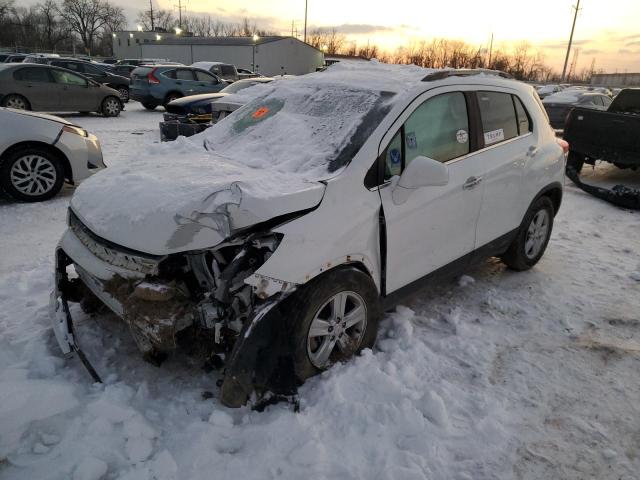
<point>616,79</point>
<point>266,55</point>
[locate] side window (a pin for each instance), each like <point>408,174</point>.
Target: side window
<point>32,75</point>
<point>498,117</point>
<point>524,124</point>
<point>205,77</point>
<point>183,74</point>
<point>90,69</point>
<point>438,129</point>
<point>606,101</point>
<point>170,74</point>
<point>228,70</point>
<point>68,78</point>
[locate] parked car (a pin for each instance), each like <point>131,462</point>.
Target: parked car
<point>124,70</point>
<point>610,135</point>
<point>92,71</point>
<point>560,104</point>
<point>39,57</point>
<point>47,88</point>
<point>38,153</point>
<point>155,85</point>
<point>243,73</point>
<point>145,61</point>
<point>12,57</point>
<point>279,243</point>
<point>225,71</point>
<point>546,90</point>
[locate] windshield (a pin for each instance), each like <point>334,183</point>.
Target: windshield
<point>237,86</point>
<point>310,129</point>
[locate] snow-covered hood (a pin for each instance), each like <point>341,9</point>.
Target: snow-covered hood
<point>186,201</point>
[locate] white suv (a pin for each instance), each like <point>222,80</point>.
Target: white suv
<point>275,243</point>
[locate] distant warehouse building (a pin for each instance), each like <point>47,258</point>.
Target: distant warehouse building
<point>616,79</point>
<point>266,55</point>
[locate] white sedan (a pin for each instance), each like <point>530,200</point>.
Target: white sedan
<point>39,152</point>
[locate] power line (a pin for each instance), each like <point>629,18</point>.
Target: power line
<point>573,27</point>
<point>180,8</point>
<point>306,4</point>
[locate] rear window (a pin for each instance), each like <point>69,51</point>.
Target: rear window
<point>499,122</point>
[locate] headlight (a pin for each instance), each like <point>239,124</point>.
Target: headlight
<point>75,130</point>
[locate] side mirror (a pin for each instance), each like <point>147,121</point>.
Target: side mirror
<point>421,172</point>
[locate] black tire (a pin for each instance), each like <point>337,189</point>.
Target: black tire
<point>149,106</point>
<point>46,164</point>
<point>17,102</point>
<point>310,300</point>
<point>171,97</point>
<point>111,107</point>
<point>575,161</point>
<point>124,94</point>
<point>519,255</point>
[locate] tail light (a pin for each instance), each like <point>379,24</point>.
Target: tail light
<point>151,78</point>
<point>564,144</point>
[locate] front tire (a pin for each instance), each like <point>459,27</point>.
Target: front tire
<point>17,102</point>
<point>149,106</point>
<point>111,107</point>
<point>532,238</point>
<point>124,94</point>
<point>337,317</point>
<point>32,174</point>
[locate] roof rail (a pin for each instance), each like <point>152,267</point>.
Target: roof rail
<point>442,74</point>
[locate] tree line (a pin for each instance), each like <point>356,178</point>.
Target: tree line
<point>60,25</point>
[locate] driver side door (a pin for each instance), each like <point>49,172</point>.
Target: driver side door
<point>435,225</point>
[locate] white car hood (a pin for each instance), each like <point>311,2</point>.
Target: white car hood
<point>186,201</point>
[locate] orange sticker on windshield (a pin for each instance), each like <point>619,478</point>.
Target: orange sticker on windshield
<point>261,112</point>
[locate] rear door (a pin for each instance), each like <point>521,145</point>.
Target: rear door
<point>37,86</point>
<point>508,142</point>
<point>435,225</point>
<point>186,81</point>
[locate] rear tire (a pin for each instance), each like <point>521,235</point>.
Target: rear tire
<point>149,106</point>
<point>17,102</point>
<point>532,238</point>
<point>111,107</point>
<point>342,328</point>
<point>31,174</point>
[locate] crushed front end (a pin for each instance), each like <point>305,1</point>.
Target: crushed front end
<point>198,301</point>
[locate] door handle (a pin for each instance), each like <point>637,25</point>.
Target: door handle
<point>471,183</point>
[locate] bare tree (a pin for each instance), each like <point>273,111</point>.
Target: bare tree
<point>162,20</point>
<point>86,18</point>
<point>54,28</point>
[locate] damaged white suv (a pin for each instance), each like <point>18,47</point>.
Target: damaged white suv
<point>277,241</point>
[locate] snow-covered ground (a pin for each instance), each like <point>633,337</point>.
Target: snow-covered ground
<point>498,375</point>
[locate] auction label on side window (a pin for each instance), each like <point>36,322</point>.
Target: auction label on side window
<point>493,136</point>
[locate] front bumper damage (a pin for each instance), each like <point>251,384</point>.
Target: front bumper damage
<point>159,314</point>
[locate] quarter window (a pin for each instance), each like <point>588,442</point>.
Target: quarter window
<point>498,116</point>
<point>524,124</point>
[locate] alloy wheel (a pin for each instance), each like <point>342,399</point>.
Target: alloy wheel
<point>111,107</point>
<point>537,234</point>
<point>124,94</point>
<point>16,102</point>
<point>337,329</point>
<point>33,175</point>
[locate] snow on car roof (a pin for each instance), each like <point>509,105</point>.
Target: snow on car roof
<point>564,97</point>
<point>312,124</point>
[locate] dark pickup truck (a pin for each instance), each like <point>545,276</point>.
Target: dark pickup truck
<point>612,135</point>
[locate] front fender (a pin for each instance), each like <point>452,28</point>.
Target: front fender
<point>262,357</point>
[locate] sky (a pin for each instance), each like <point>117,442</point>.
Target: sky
<point>606,30</point>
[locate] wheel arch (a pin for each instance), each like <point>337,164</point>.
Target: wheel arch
<point>554,192</point>
<point>171,92</point>
<point>66,165</point>
<point>4,97</point>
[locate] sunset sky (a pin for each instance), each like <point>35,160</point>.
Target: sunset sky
<point>607,30</point>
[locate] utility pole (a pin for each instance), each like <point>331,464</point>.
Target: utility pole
<point>180,8</point>
<point>306,4</point>
<point>566,58</point>
<point>490,51</point>
<point>151,15</point>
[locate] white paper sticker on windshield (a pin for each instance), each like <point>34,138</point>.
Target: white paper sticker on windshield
<point>493,136</point>
<point>462,136</point>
